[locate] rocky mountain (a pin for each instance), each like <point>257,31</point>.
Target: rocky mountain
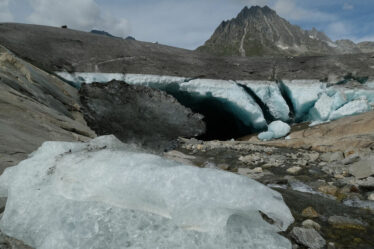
<point>56,49</point>
<point>259,31</point>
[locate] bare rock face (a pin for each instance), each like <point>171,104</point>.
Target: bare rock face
<point>34,107</point>
<point>56,49</point>
<point>259,31</point>
<point>138,114</point>
<point>349,133</point>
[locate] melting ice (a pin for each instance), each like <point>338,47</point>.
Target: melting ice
<point>105,194</point>
<point>310,100</point>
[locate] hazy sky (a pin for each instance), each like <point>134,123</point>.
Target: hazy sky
<point>188,23</point>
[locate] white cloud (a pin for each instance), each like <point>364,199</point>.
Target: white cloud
<point>347,6</point>
<point>77,14</point>
<point>5,14</point>
<point>339,30</point>
<point>289,10</point>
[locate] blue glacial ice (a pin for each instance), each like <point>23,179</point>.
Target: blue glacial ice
<point>270,95</point>
<point>322,108</point>
<point>310,100</point>
<point>276,129</point>
<point>303,95</point>
<point>351,108</point>
<point>234,96</point>
<point>106,194</point>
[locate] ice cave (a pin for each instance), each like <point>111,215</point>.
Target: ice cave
<point>236,108</point>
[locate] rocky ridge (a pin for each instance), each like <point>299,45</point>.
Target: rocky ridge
<point>55,49</point>
<point>259,31</point>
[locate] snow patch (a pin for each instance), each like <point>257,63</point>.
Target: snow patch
<point>106,194</point>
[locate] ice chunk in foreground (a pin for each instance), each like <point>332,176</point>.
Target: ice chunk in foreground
<point>303,94</point>
<point>351,108</point>
<point>270,95</point>
<point>235,98</point>
<point>105,194</point>
<point>276,129</point>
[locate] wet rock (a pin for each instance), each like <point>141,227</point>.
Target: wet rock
<point>331,245</point>
<point>328,189</point>
<point>363,168</point>
<point>313,156</point>
<point>7,242</point>
<point>308,237</point>
<point>138,114</point>
<point>223,166</point>
<point>311,224</point>
<point>294,170</point>
<point>351,159</point>
<point>342,222</point>
<point>332,156</point>
<point>255,173</point>
<point>367,183</point>
<point>309,212</point>
<point>371,197</point>
<point>179,157</point>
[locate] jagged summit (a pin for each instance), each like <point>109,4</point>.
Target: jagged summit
<point>259,31</point>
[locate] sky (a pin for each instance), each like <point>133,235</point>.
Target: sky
<point>189,23</point>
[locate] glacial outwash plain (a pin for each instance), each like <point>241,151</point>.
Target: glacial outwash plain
<point>261,138</point>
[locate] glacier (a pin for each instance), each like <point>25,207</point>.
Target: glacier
<point>271,96</point>
<point>303,94</point>
<point>234,97</point>
<point>106,194</point>
<point>247,104</point>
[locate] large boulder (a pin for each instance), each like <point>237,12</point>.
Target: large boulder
<point>35,107</point>
<point>138,114</point>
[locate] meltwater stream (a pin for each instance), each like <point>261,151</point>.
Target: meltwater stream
<point>106,194</point>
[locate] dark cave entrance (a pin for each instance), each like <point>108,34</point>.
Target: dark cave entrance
<point>219,117</point>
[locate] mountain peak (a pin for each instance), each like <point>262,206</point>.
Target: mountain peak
<point>259,31</point>
<point>255,10</point>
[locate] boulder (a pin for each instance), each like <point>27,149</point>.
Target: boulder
<point>138,114</point>
<point>35,106</point>
<point>308,237</point>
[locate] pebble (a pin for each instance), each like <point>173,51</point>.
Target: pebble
<point>308,237</point>
<point>328,189</point>
<point>294,170</point>
<point>311,224</point>
<point>309,212</point>
<point>351,159</point>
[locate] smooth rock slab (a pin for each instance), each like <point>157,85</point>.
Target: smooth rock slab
<point>308,237</point>
<point>363,168</point>
<point>138,114</point>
